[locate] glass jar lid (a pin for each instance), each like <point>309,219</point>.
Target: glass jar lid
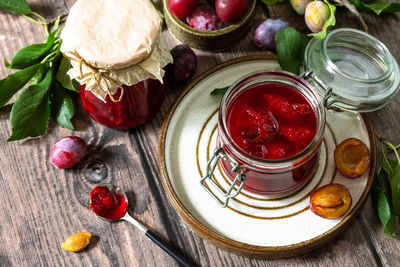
<point>360,70</point>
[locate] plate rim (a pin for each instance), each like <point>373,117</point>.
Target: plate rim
<point>240,248</point>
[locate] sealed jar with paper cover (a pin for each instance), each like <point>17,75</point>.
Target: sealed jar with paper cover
<point>271,123</point>
<point>117,54</point>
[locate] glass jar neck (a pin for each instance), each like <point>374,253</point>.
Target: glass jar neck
<point>286,79</point>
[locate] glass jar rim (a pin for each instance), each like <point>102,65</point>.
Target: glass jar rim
<point>382,46</point>
<point>275,163</point>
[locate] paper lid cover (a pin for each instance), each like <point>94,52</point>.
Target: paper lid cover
<point>112,34</point>
<point>111,43</point>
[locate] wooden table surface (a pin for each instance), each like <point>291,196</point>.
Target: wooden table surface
<point>40,206</point>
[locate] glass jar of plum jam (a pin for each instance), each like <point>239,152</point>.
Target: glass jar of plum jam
<point>270,128</point>
<point>271,123</point>
<point>140,103</point>
<point>117,55</point>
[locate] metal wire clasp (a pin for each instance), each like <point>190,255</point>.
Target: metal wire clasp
<point>240,178</point>
<point>327,99</point>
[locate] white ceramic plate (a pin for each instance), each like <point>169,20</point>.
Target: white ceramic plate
<point>253,225</point>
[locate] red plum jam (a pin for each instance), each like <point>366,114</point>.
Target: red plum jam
<point>139,104</point>
<point>272,123</point>
<point>107,204</point>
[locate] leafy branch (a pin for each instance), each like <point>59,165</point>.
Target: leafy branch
<point>386,188</point>
<point>44,67</point>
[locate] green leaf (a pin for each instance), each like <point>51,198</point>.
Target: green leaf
<point>394,181</point>
<point>62,106</point>
<point>219,91</point>
<point>272,2</point>
<point>64,78</point>
<point>19,7</point>
<point>7,64</point>
<point>385,215</point>
<point>377,6</point>
<point>40,73</point>
<point>331,21</point>
<point>32,54</point>
<point>14,82</point>
<point>290,45</point>
<point>383,207</point>
<point>389,166</point>
<point>28,55</point>
<point>30,113</point>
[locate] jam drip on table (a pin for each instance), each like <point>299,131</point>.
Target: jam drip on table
<point>271,121</point>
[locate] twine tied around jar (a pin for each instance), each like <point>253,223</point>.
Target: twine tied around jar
<point>97,73</point>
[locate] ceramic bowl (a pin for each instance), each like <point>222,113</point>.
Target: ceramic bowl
<point>209,40</point>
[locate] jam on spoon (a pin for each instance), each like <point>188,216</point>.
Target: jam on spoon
<point>110,203</point>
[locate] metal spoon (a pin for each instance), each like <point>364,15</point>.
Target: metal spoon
<point>161,243</point>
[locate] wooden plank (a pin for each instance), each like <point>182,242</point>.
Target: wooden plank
<point>41,206</point>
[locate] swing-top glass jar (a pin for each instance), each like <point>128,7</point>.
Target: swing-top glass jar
<point>271,123</point>
<point>117,54</point>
